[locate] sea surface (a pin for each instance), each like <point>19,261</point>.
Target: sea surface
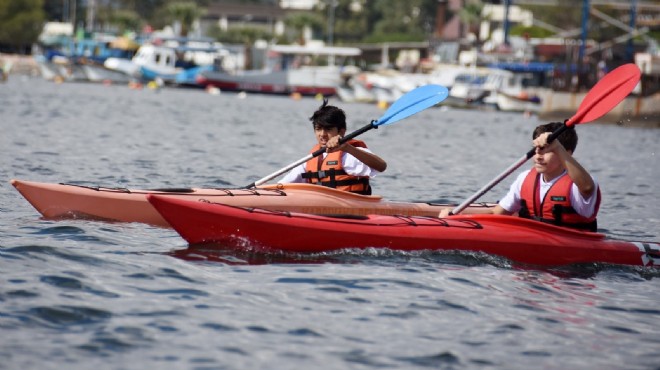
<point>77,294</point>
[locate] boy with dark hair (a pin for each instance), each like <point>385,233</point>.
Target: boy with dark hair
<point>557,189</point>
<point>345,167</point>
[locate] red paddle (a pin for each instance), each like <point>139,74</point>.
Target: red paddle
<point>604,96</point>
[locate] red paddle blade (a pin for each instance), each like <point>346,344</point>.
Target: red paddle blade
<point>607,94</point>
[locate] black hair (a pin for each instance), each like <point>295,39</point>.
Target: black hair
<point>568,138</point>
<point>328,116</point>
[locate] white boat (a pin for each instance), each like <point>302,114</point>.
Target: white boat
<point>169,64</point>
<point>468,88</point>
<point>98,73</point>
<point>522,102</point>
<point>286,72</point>
<point>387,85</point>
<point>60,70</point>
<point>507,91</point>
<point>495,88</point>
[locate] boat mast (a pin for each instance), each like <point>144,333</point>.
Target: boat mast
<point>585,29</point>
<point>332,4</point>
<point>91,13</point>
<point>630,51</point>
<point>507,4</point>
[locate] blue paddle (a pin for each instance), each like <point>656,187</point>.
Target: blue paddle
<point>412,102</point>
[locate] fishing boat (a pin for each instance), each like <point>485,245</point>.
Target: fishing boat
<point>286,71</point>
<point>66,201</point>
<point>178,62</point>
<point>495,88</point>
<point>520,240</point>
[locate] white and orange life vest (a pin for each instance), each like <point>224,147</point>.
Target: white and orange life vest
<point>555,207</point>
<point>330,172</point>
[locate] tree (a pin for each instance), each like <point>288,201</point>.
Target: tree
<point>20,23</point>
<point>395,20</point>
<point>470,15</point>
<point>350,20</point>
<point>299,21</point>
<point>126,20</point>
<point>186,12</point>
<point>244,35</point>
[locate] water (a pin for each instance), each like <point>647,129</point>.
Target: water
<point>82,294</point>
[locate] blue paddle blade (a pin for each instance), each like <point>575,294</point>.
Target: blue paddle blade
<point>413,102</point>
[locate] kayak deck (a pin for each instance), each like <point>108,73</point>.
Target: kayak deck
<point>65,201</point>
<point>517,239</point>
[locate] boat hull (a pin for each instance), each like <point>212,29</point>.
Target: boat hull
<point>309,82</point>
<point>520,240</point>
<point>58,201</point>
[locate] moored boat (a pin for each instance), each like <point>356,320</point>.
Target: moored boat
<point>517,239</point>
<point>285,71</point>
<point>56,201</point>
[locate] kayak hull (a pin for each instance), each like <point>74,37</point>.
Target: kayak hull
<point>65,201</point>
<point>520,240</point>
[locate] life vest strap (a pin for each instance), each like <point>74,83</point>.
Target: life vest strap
<point>361,180</point>
<point>322,174</point>
<point>557,212</point>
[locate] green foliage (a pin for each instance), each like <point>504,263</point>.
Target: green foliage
<point>244,35</point>
<point>655,35</point>
<point>20,23</point>
<point>186,12</point>
<point>567,14</point>
<point>126,20</point>
<point>298,21</point>
<point>533,31</point>
<point>301,20</point>
<point>470,15</point>
<point>394,37</point>
<point>387,20</point>
<point>471,12</point>
<point>350,23</point>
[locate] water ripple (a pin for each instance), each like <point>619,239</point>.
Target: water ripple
<point>68,316</point>
<point>443,360</point>
<point>46,253</point>
<point>68,283</point>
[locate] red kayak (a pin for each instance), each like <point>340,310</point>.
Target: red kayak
<point>519,240</point>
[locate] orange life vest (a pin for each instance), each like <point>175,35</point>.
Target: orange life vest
<point>555,207</point>
<point>330,172</point>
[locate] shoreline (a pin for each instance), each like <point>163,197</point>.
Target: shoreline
<point>634,111</point>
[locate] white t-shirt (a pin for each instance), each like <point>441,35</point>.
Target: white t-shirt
<point>351,165</point>
<point>584,207</point>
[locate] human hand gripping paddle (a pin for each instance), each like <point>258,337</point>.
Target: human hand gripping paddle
<point>412,102</point>
<point>604,96</point>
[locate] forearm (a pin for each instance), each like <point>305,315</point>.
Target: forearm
<point>578,174</point>
<point>368,158</point>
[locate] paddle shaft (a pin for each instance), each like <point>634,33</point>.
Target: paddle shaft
<point>458,209</point>
<point>311,155</point>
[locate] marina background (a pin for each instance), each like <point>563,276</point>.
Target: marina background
<point>535,56</point>
<point>79,294</point>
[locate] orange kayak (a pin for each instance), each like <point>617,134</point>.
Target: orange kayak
<point>62,201</point>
